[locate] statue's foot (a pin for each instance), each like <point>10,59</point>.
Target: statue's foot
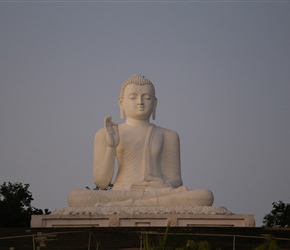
<point>181,197</point>
<point>125,203</point>
<point>182,189</point>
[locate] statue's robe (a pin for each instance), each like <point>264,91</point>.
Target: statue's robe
<point>154,153</point>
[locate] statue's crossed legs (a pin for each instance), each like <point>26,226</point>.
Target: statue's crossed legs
<point>154,197</point>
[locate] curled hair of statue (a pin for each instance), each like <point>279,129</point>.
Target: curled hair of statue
<point>138,80</point>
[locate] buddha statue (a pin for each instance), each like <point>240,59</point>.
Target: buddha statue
<point>148,157</point>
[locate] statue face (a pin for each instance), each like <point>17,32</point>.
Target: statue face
<point>139,101</point>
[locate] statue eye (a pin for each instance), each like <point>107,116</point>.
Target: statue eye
<point>132,97</point>
<point>147,97</point>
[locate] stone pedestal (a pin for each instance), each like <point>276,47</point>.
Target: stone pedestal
<point>143,217</point>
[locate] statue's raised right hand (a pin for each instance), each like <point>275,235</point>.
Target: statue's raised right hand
<point>112,132</point>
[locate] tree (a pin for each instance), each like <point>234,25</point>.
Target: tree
<point>15,205</point>
<point>172,241</point>
<point>269,244</point>
<point>279,216</point>
<point>109,187</point>
<point>192,245</point>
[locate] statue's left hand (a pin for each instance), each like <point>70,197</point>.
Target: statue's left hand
<point>150,182</point>
<point>155,182</point>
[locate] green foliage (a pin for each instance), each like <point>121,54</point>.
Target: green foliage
<point>192,245</point>
<point>269,244</point>
<point>157,244</point>
<point>15,205</point>
<point>168,241</point>
<point>279,216</point>
<point>109,187</point>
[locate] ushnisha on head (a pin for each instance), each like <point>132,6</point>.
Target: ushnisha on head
<point>137,80</point>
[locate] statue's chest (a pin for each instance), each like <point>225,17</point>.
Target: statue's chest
<point>131,136</point>
<point>138,140</point>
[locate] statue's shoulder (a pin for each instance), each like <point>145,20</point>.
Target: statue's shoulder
<point>167,133</point>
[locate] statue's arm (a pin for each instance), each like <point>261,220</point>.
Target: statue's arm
<point>104,160</point>
<point>171,154</point>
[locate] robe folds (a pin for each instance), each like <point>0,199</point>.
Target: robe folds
<point>154,153</point>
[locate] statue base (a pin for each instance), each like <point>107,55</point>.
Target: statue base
<point>208,216</point>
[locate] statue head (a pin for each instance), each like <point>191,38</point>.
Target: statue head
<point>138,80</point>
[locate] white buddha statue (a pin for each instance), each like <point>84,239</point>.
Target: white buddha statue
<point>148,158</point>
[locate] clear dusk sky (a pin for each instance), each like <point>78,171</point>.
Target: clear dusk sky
<point>222,75</point>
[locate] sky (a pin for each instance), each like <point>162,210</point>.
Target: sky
<point>221,73</point>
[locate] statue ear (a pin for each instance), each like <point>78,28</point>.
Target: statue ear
<point>154,109</point>
<point>122,112</point>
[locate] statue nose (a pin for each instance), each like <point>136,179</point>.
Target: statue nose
<point>140,100</point>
